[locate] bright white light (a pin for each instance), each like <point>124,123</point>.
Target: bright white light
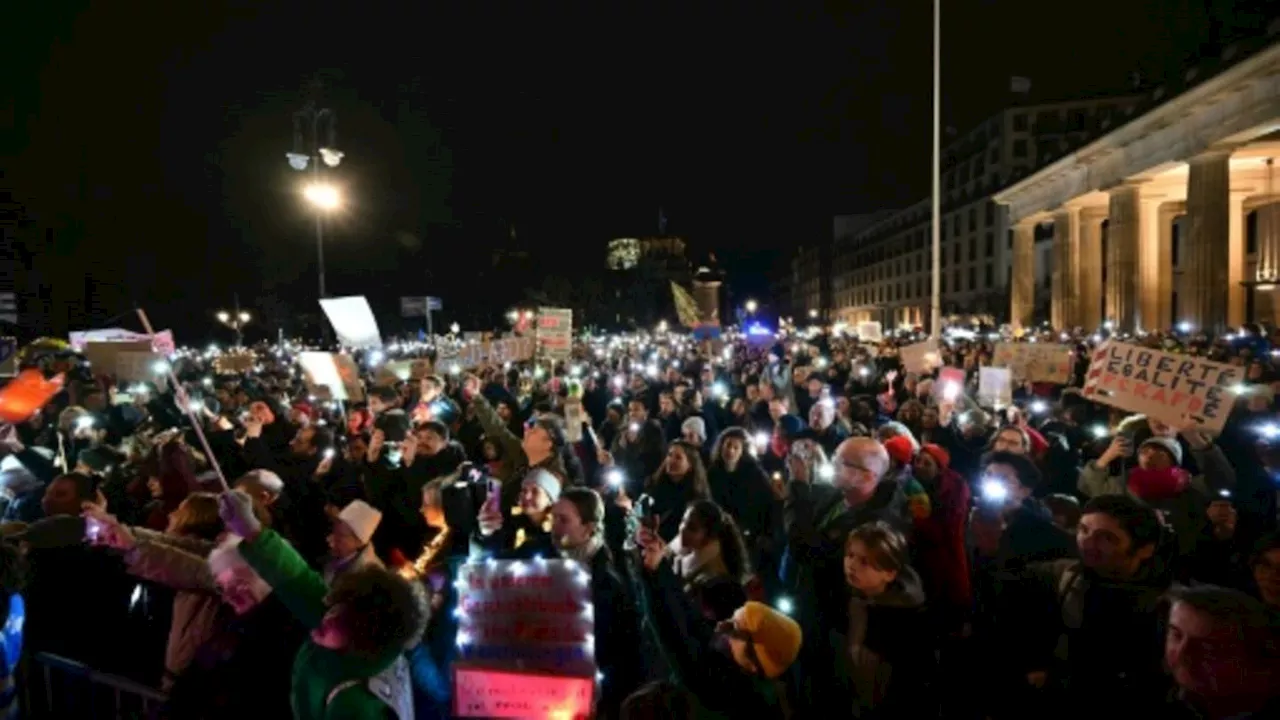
<point>519,569</point>
<point>634,427</point>
<point>323,196</point>
<point>864,372</point>
<point>207,382</point>
<point>196,406</point>
<point>160,368</point>
<point>1038,406</point>
<point>994,491</point>
<point>330,156</point>
<point>1099,431</point>
<point>224,316</point>
<point>464,639</point>
<point>762,440</point>
<point>454,369</point>
<point>786,606</point>
<point>617,381</point>
<point>375,357</point>
<point>1269,431</point>
<point>820,363</point>
<point>751,306</point>
<point>614,477</point>
<point>298,161</point>
<point>1184,327</point>
<point>1108,325</point>
<point>1240,388</point>
<point>84,422</point>
<point>728,353</point>
<point>575,371</point>
<point>826,472</point>
<point>244,316</point>
<point>455,328</point>
<point>719,390</point>
<point>538,372</point>
<point>951,391</point>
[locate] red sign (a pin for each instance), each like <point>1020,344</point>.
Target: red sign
<point>500,694</point>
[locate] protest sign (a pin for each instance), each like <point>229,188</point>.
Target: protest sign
<point>336,373</point>
<point>1035,362</point>
<point>995,387</point>
<point>1162,385</point>
<point>870,331</point>
<point>555,333</point>
<point>497,694</point>
<point>163,344</point>
<point>102,355</point>
<point>524,617</point>
<point>352,321</point>
<point>921,357</point>
<point>235,361</point>
<point>132,366</point>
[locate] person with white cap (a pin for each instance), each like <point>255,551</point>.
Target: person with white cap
<point>350,540</point>
<point>524,532</point>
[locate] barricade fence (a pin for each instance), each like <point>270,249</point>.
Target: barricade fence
<point>55,687</point>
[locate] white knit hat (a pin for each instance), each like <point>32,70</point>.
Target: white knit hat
<point>696,425</point>
<point>362,518</point>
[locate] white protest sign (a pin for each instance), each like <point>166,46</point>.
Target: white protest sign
<point>480,692</point>
<point>921,357</point>
<point>555,333</point>
<point>352,321</point>
<point>1162,385</point>
<point>995,387</point>
<point>532,616</point>
<point>319,369</point>
<point>574,416</point>
<point>134,366</point>
<point>870,331</point>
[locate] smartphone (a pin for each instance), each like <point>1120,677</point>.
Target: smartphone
<point>92,529</point>
<point>648,517</point>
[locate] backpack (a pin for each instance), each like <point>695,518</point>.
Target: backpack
<point>393,687</point>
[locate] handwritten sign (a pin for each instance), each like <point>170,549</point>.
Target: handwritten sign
<point>1035,362</point>
<point>531,616</point>
<point>870,331</point>
<point>1162,385</point>
<point>555,333</point>
<point>495,694</point>
<point>921,357</point>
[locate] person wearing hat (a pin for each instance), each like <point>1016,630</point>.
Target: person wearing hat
<point>350,546</point>
<point>524,532</point>
<point>1160,481</point>
<point>732,667</point>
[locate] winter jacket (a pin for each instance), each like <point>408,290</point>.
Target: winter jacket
<point>317,671</point>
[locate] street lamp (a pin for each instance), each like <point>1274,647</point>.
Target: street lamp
<point>323,196</point>
<point>236,321</point>
<point>813,314</point>
<point>751,306</point>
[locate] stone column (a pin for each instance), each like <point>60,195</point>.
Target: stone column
<point>1208,218</point>
<point>1236,257</point>
<point>1122,256</point>
<point>1066,268</point>
<point>1167,213</point>
<point>1022,294</point>
<point>1089,300</point>
<point>1155,274</point>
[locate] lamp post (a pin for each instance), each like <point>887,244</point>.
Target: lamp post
<point>236,320</point>
<point>751,307</point>
<point>324,197</point>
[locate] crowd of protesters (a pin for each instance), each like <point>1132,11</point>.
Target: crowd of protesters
<point>793,526</point>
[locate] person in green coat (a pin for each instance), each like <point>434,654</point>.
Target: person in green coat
<point>359,627</point>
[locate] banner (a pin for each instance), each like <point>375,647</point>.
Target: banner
<point>1035,362</point>
<point>1162,385</point>
<point>352,321</point>
<point>686,306</point>
<point>555,333</point>
<point>164,339</point>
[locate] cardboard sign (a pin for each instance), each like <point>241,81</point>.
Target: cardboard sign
<point>323,370</point>
<point>496,694</point>
<point>235,361</point>
<point>870,331</point>
<point>1162,385</point>
<point>531,615</point>
<point>1035,362</point>
<point>164,343</point>
<point>574,416</point>
<point>555,333</point>
<point>102,355</point>
<point>134,366</point>
<point>921,357</point>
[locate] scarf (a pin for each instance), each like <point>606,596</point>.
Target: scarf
<point>583,553</point>
<point>1157,485</point>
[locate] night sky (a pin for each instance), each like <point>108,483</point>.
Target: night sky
<point>151,136</point>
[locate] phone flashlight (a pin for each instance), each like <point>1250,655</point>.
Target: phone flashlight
<point>1099,431</point>
<point>328,453</point>
<point>634,427</point>
<point>1038,406</point>
<point>994,491</point>
<point>826,472</point>
<point>951,391</point>
<point>92,528</point>
<point>614,478</point>
<point>1224,494</point>
<point>1269,431</point>
<point>84,422</point>
<point>761,440</point>
<point>786,605</point>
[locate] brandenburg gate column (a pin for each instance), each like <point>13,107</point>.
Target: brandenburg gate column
<point>1122,256</point>
<point>1155,266</point>
<point>1066,268</point>
<point>1022,292</point>
<point>1089,300</point>
<point>1209,247</point>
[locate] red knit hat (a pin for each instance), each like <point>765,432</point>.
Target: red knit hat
<point>899,448</point>
<point>938,453</point>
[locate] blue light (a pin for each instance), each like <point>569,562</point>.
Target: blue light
<point>758,329</point>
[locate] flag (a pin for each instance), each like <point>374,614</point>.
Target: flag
<point>686,306</point>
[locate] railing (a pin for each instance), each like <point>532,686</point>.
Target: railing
<point>70,689</point>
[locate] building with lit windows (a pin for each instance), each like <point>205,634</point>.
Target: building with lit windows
<point>882,271</point>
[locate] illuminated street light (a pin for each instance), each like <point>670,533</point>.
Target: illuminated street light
<point>323,196</point>
<point>454,328</point>
<point>235,319</point>
<point>751,306</point>
<point>813,314</point>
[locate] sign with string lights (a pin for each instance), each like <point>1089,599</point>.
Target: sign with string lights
<point>530,618</point>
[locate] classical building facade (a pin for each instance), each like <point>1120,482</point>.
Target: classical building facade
<point>1170,218</point>
<point>882,271</point>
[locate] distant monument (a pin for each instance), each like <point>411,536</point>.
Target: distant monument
<point>706,291</point>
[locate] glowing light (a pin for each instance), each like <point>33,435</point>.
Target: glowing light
<point>323,196</point>
<point>1039,406</point>
<point>826,472</point>
<point>1099,431</point>
<point>994,491</point>
<point>614,477</point>
<point>786,605</point>
<point>160,368</point>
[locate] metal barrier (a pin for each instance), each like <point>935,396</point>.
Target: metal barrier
<point>73,690</point>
